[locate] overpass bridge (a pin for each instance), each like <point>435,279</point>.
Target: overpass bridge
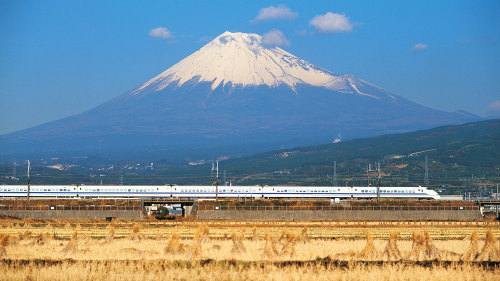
<point>490,202</point>
<point>494,202</point>
<point>186,203</point>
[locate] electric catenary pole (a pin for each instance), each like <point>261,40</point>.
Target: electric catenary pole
<point>217,182</point>
<point>29,180</point>
<point>378,182</point>
<point>334,181</point>
<point>426,177</point>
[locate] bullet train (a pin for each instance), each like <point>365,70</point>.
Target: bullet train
<point>198,191</point>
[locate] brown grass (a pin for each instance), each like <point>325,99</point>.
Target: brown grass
<point>72,245</point>
<point>40,239</point>
<point>202,233</point>
<point>165,270</point>
<point>391,251</point>
<point>304,236</point>
<point>238,246</point>
<point>135,235</point>
<point>431,251</point>
<point>4,241</point>
<point>26,234</point>
<point>284,244</point>
<point>288,241</point>
<point>174,247</point>
<point>254,234</point>
<point>111,233</point>
<point>473,250</point>
<point>369,251</point>
<point>417,252</point>
<point>490,251</point>
<point>270,250</point>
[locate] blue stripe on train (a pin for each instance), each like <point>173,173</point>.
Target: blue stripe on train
<point>210,193</point>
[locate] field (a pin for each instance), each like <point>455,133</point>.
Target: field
<point>238,250</point>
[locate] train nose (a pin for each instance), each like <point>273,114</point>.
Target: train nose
<point>434,195</point>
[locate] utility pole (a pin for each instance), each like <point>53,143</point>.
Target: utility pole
<point>378,182</point>
<point>334,182</point>
<point>368,173</point>
<point>29,179</point>
<point>426,177</point>
<point>497,200</point>
<point>225,182</point>
<point>212,174</point>
<point>217,182</point>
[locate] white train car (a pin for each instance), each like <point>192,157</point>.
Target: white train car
<point>198,191</point>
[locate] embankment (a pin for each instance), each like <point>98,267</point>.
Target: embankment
<point>72,214</point>
<point>351,215</point>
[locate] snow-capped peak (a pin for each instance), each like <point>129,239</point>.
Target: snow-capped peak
<point>241,59</point>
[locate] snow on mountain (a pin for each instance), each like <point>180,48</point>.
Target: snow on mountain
<point>241,59</point>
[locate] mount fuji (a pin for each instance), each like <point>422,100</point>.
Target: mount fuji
<point>237,95</point>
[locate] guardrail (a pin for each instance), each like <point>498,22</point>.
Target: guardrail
<point>336,208</point>
<point>70,208</point>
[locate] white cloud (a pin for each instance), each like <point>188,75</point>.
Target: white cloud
<point>494,108</point>
<point>419,47</point>
<point>273,13</point>
<point>275,38</point>
<point>161,32</point>
<point>331,23</point>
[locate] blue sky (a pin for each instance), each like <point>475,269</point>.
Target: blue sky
<point>59,58</point>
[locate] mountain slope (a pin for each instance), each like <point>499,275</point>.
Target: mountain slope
<point>236,95</point>
<point>467,154</point>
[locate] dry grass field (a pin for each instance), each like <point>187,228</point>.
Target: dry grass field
<point>237,250</point>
